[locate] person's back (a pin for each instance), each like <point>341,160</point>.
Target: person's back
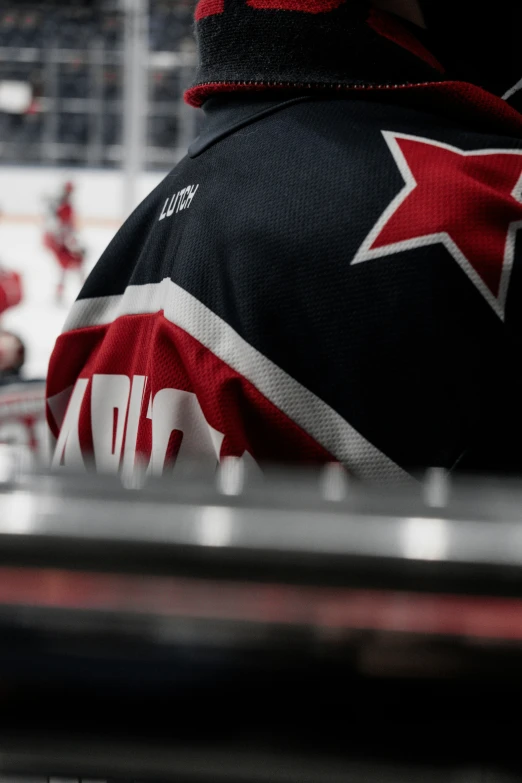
<point>330,274</point>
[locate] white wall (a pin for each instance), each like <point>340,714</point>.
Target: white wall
<point>98,195</point>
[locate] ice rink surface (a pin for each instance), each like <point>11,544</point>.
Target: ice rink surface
<point>39,320</point>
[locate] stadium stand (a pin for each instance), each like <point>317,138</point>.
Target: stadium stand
<point>71,55</point>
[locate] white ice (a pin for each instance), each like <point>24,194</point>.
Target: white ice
<point>39,320</point>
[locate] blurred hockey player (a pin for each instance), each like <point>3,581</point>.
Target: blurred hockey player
<point>11,290</point>
<point>22,402</point>
<point>61,237</point>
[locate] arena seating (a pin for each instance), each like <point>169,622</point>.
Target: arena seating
<point>52,46</point>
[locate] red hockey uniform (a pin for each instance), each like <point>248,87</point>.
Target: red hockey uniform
<point>60,236</point>
<point>65,250</point>
<point>11,291</point>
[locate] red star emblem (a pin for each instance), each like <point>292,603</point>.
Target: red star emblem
<point>471,202</point>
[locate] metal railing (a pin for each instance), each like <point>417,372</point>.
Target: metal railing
<point>273,627</point>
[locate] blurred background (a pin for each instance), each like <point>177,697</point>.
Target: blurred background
<point>248,628</point>
<point>91,95</point>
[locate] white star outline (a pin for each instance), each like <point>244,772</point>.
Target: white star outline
<point>366,253</point>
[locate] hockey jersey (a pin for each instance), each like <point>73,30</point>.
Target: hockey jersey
<point>333,272</point>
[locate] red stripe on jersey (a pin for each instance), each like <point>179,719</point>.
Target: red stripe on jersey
<point>208,8</point>
<point>460,100</point>
<point>170,359</point>
<point>306,6</point>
